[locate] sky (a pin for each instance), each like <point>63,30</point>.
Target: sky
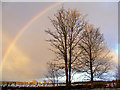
<point>27,59</point>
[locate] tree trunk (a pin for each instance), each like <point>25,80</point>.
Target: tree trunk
<point>70,67</point>
<point>66,61</point>
<point>69,75</point>
<point>70,56</point>
<point>66,71</point>
<point>91,70</point>
<point>57,80</point>
<point>91,74</point>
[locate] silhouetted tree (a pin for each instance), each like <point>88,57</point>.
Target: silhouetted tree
<point>65,39</point>
<point>53,73</point>
<point>95,56</point>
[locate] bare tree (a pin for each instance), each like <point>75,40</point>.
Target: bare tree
<point>53,73</point>
<point>68,24</point>
<point>95,57</point>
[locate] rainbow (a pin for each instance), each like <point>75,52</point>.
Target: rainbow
<point>22,30</point>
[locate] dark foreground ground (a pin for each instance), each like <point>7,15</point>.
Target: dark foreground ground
<point>55,88</point>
